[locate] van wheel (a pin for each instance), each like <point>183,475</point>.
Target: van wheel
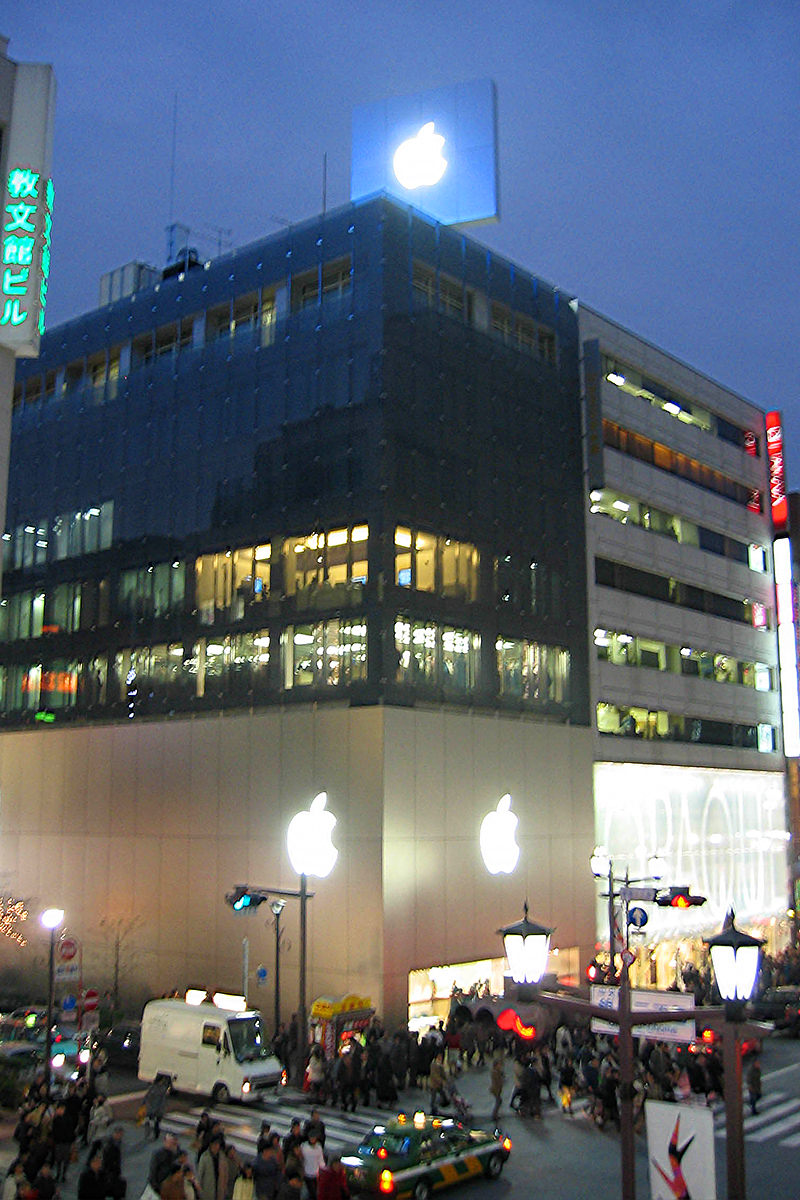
<point>423,1190</point>
<point>220,1095</point>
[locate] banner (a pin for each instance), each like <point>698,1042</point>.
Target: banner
<point>680,1150</point>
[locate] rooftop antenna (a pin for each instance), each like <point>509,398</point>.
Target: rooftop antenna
<point>171,223</point>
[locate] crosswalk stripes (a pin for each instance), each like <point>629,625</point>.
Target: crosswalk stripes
<point>242,1126</point>
<point>778,1114</point>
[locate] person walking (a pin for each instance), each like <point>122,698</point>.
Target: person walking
<point>437,1082</point>
<point>754,1084</point>
<point>496,1081</point>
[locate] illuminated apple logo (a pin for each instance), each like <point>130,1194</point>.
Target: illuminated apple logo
<point>418,161</point>
<point>498,838</point>
<point>309,842</point>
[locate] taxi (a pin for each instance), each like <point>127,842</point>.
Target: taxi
<point>416,1155</point>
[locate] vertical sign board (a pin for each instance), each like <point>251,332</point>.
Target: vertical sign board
<point>27,209</point>
<point>680,1149</point>
<point>779,506</point>
<point>787,646</point>
<point>436,150</point>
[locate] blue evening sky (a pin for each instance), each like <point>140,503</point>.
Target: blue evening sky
<point>649,149</point>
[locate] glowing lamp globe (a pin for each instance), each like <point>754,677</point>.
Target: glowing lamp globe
<point>735,958</point>
<point>51,918</point>
<point>527,947</point>
<point>309,839</point>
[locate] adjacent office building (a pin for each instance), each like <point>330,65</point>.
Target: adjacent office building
<point>364,507</point>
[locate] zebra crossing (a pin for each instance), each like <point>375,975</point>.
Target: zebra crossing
<point>243,1125</point>
<point>778,1118</point>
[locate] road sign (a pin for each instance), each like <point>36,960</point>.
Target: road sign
<point>628,957</point>
<point>65,971</point>
<point>90,1000</point>
<point>261,976</point>
<point>67,949</point>
<point>69,1003</point>
<point>671,1030</point>
<point>637,917</point>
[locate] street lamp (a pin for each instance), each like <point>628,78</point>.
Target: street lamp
<point>311,852</point>
<point>52,919</point>
<point>735,958</point>
<point>277,905</point>
<point>527,946</point>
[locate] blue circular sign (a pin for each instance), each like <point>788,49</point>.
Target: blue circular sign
<point>638,917</point>
<point>261,973</point>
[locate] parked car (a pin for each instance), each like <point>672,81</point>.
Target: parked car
<point>781,1005</point>
<point>121,1044</point>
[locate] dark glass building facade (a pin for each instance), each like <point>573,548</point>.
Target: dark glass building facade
<point>342,463</point>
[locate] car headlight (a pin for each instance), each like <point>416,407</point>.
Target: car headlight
<point>84,1056</point>
<point>58,1060</point>
<point>246,1087</point>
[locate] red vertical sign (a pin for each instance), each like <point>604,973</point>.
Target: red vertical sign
<point>777,479</point>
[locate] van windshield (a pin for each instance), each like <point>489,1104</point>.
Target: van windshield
<point>248,1038</point>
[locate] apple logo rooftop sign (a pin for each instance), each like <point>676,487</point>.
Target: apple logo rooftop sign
<point>436,150</point>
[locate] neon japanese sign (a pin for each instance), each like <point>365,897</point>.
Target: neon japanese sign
<point>777,480</point>
<point>25,266</point>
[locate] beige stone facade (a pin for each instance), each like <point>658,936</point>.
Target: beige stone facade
<point>145,826</point>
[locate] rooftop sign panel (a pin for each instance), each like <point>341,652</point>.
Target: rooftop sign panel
<point>436,150</point>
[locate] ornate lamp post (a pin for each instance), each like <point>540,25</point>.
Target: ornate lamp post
<point>311,852</point>
<point>735,957</point>
<point>52,919</point>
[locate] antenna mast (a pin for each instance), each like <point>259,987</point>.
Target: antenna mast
<point>171,225</point>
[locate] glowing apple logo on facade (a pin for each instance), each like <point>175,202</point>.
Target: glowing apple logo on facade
<point>498,838</point>
<point>308,839</point>
<point>418,161</point>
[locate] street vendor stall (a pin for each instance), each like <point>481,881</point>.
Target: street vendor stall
<point>334,1022</point>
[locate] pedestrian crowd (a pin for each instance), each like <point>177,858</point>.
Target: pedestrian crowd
<point>50,1132</point>
<point>283,1168</point>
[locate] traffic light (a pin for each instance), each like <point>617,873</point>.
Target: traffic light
<point>678,897</point>
<point>243,897</point>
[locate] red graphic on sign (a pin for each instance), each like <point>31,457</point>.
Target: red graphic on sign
<point>67,949</point>
<point>90,1000</point>
<point>777,478</point>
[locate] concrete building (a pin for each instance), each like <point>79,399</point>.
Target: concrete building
<point>302,518</point>
<point>687,730</point>
<point>316,516</point>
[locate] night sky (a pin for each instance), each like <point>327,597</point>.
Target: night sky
<point>648,150</point>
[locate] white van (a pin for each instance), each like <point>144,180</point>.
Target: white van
<point>212,1051</point>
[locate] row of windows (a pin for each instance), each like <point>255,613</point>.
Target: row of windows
<point>629,380</point>
<point>453,298</point>
<point>625,649</point>
<point>254,315</point>
<point>317,570</point>
<point>636,445</point>
<point>628,511</point>
<point>320,654</point>
<point>674,591</point>
<point>658,725</point>
<point>64,536</point>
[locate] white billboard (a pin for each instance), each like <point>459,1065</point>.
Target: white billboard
<point>723,833</point>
